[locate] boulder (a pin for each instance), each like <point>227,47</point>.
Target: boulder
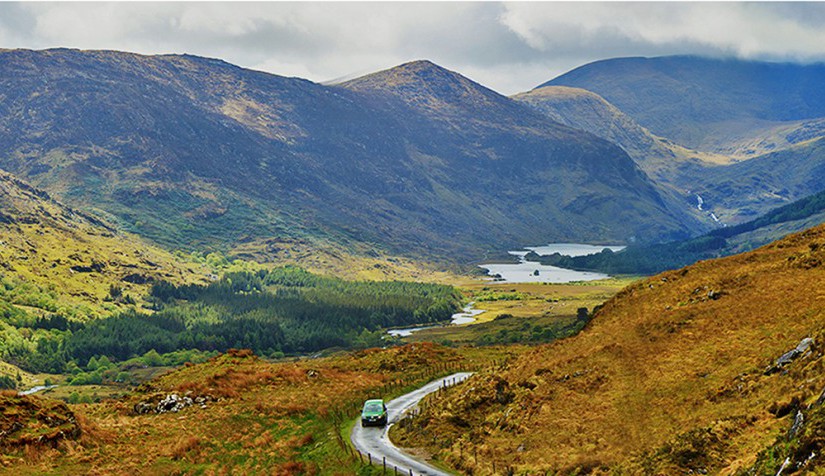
<point>802,349</point>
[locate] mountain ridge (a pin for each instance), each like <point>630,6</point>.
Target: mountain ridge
<point>190,151</point>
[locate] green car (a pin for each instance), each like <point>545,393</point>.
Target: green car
<point>374,413</point>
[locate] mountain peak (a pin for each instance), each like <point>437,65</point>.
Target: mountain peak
<point>424,84</point>
<point>413,72</point>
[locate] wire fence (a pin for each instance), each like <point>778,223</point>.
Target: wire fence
<point>351,408</point>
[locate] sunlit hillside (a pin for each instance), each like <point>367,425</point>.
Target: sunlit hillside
<point>54,256</point>
<point>675,374</point>
<point>247,416</point>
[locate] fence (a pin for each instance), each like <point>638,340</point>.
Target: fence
<point>352,406</point>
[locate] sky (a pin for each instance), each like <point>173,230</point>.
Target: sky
<point>509,47</point>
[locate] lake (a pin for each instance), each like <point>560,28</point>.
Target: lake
<point>529,272</point>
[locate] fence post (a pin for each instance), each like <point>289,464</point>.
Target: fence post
<point>385,465</point>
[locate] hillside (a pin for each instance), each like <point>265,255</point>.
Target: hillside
<point>244,415</point>
<point>745,190</point>
<point>654,258</point>
<point>488,129</point>
<point>674,168</point>
<point>73,257</point>
<point>585,110</point>
<point>61,268</point>
<point>677,373</point>
<point>727,106</point>
<point>73,289</point>
<point>193,153</point>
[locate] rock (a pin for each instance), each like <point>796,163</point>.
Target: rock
<point>143,407</point>
<point>172,403</point>
<point>798,421</point>
<point>802,349</point>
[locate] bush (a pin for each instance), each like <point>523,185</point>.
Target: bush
<point>7,383</point>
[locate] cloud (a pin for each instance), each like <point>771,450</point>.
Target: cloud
<point>509,47</point>
<point>748,30</point>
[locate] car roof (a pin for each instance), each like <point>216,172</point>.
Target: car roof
<point>374,400</point>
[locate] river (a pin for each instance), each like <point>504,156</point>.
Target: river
<point>36,389</point>
<point>530,272</point>
<point>466,316</point>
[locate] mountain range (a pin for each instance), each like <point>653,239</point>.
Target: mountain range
<point>717,105</point>
<point>194,152</point>
<point>750,130</point>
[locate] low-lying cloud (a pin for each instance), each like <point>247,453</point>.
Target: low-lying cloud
<point>509,47</point>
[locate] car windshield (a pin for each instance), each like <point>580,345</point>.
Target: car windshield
<point>372,407</point>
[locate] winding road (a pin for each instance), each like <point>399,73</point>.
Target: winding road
<point>376,442</point>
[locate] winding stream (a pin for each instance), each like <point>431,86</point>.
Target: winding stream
<point>466,316</point>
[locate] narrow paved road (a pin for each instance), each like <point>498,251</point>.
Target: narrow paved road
<point>376,441</point>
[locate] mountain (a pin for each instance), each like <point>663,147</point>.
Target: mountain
<point>745,190</point>
<point>585,110</point>
<point>677,373</point>
<point>194,152</point>
<point>492,129</point>
<point>723,106</point>
<point>674,168</point>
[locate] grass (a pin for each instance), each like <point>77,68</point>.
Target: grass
<point>667,378</point>
<point>282,417</point>
<point>517,309</point>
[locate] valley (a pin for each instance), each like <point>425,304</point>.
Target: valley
<point>206,269</point>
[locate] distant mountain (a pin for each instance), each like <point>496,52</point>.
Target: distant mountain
<point>672,166</point>
<point>718,105</point>
<point>195,152</point>
<point>746,190</point>
<point>585,110</point>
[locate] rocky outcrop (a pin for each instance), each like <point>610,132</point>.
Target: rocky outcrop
<point>172,403</point>
<point>803,349</point>
<point>27,421</point>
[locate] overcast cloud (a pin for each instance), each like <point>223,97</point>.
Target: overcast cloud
<point>509,47</point>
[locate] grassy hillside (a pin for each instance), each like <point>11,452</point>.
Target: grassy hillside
<point>68,258</point>
<point>256,417</point>
<point>669,377</point>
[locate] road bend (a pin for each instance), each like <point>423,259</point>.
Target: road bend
<point>375,441</point>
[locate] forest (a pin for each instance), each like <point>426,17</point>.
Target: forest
<point>283,311</point>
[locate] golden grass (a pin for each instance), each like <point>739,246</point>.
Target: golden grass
<point>536,304</point>
<point>271,418</point>
<point>672,361</point>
